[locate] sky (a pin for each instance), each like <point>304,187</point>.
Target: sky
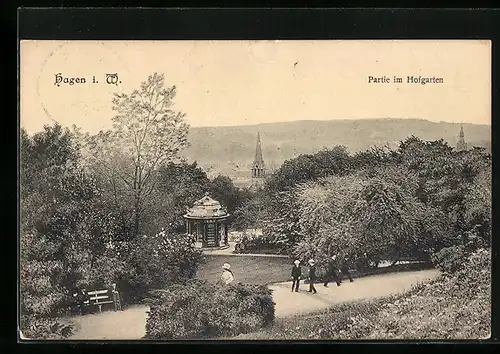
<point>252,82</point>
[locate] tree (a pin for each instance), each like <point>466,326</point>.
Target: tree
<point>63,227</point>
<point>179,186</point>
<point>419,155</point>
<point>223,189</point>
<point>251,213</point>
<point>384,220</point>
<point>106,161</point>
<point>305,168</point>
<point>373,158</point>
<point>411,202</point>
<point>325,217</point>
<point>478,205</point>
<point>372,212</point>
<point>281,221</point>
<point>146,134</point>
<point>62,203</point>
<point>445,175</point>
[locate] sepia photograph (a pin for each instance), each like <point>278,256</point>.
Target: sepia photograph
<point>255,190</point>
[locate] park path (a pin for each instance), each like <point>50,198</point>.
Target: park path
<point>122,325</point>
<point>130,323</point>
<point>290,303</point>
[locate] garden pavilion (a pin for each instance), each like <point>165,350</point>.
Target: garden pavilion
<point>207,222</point>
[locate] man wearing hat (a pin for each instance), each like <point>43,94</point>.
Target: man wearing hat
<point>312,276</point>
<point>332,272</point>
<point>227,275</point>
<point>344,269</point>
<point>296,274</point>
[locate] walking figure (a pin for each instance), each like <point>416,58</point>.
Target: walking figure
<point>227,275</point>
<point>332,272</point>
<point>296,274</point>
<point>344,269</point>
<point>312,276</point>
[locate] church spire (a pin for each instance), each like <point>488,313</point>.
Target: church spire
<point>258,151</point>
<point>258,167</point>
<point>461,144</point>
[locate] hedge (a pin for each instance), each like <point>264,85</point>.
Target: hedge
<point>202,310</point>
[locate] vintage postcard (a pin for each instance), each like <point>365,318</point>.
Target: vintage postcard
<point>255,190</point>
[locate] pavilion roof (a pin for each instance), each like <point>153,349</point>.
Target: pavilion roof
<point>206,207</point>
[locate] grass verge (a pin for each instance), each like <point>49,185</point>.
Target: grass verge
<point>247,269</point>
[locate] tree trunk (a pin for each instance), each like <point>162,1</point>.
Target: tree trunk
<point>136,216</point>
<point>137,201</point>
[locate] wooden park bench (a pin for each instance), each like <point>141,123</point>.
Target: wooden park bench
<point>103,297</point>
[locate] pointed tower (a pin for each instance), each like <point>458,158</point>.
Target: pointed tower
<point>258,167</point>
<point>461,144</point>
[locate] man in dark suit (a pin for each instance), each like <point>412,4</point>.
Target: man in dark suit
<point>344,269</point>
<point>296,274</point>
<point>332,272</point>
<point>312,276</point>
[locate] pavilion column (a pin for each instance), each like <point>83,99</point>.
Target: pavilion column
<point>217,234</point>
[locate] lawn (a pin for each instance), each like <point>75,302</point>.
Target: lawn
<point>268,270</point>
<point>247,269</point>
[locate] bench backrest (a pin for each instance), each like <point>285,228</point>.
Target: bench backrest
<point>97,292</point>
<point>97,295</point>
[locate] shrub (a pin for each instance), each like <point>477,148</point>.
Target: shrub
<point>106,270</point>
<point>199,309</point>
<point>456,306</point>
<point>42,300</point>
<point>158,261</point>
<point>44,328</point>
<point>450,259</point>
<point>263,244</point>
<point>344,321</point>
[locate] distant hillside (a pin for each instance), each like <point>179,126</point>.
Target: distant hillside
<point>230,150</point>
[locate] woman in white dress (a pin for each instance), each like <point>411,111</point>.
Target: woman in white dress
<point>227,275</point>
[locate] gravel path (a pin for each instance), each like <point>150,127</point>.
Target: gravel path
<point>122,325</point>
<point>290,303</point>
<point>130,323</point>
